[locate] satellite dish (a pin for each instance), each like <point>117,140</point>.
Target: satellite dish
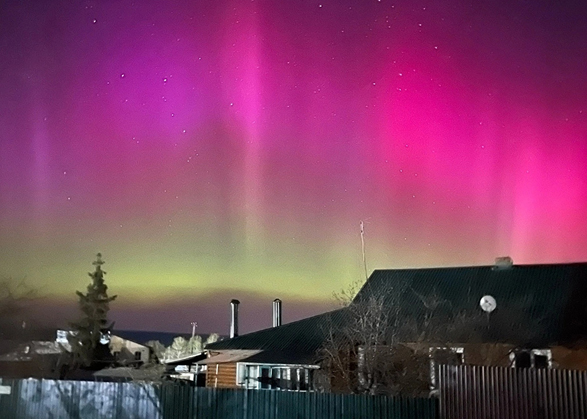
<point>488,303</point>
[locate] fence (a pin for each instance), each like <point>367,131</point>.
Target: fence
<point>44,399</point>
<point>468,392</point>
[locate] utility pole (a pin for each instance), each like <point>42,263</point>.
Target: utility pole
<point>194,325</point>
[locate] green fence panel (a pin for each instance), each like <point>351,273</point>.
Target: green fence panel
<point>49,399</point>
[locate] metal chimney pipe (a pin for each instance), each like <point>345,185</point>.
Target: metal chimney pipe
<point>234,318</point>
<point>276,312</point>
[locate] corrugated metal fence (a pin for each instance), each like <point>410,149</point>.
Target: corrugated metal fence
<point>44,399</point>
<point>468,392</point>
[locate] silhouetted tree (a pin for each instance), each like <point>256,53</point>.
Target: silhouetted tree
<point>16,298</point>
<point>90,336</point>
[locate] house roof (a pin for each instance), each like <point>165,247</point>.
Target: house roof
<point>129,373</point>
<point>291,343</point>
<point>186,360</point>
<point>230,355</point>
<point>117,340</point>
<point>537,305</point>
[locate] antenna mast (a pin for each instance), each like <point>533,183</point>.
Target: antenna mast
<point>362,226</point>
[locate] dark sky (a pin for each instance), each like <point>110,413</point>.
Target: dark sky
<point>230,149</point>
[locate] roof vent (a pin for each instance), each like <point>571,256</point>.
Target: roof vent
<point>234,318</point>
<point>276,312</point>
<point>503,262</point>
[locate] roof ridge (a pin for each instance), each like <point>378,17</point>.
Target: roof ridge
<point>522,265</point>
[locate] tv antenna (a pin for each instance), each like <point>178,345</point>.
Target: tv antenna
<point>362,227</point>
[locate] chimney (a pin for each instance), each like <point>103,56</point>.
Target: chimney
<point>276,312</point>
<point>503,262</point>
<point>234,318</point>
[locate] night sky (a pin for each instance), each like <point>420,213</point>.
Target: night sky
<point>230,149</point>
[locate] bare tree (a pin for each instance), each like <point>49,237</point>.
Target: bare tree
<point>362,355</point>
<point>157,350</point>
<point>182,347</point>
<point>385,346</point>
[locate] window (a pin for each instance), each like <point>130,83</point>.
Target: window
<point>303,379</point>
<point>540,361</point>
<point>182,368</point>
<point>294,379</point>
<point>265,378</point>
<point>534,358</point>
<point>286,379</point>
<point>251,376</point>
<point>138,355</point>
<point>62,336</point>
<point>241,374</point>
<point>274,377</point>
<point>523,359</point>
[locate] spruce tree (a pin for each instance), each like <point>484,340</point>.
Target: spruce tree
<point>90,336</point>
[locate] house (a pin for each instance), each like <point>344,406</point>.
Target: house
<point>523,316</point>
<point>537,317</point>
<point>125,351</point>
<point>33,359</point>
<point>128,352</point>
<point>280,358</point>
<point>187,368</point>
<point>259,369</point>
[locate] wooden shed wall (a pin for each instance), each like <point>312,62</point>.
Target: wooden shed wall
<point>488,354</point>
<point>498,355</point>
<point>221,375</point>
<point>572,359</point>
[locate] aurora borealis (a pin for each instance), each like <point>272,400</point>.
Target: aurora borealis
<point>230,149</point>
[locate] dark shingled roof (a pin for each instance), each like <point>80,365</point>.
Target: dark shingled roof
<point>550,301</point>
<point>291,343</point>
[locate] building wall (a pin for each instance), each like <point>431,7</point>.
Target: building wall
<point>572,359</point>
<point>482,354</point>
<point>123,346</point>
<point>487,354</point>
<point>498,355</point>
<point>221,375</point>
